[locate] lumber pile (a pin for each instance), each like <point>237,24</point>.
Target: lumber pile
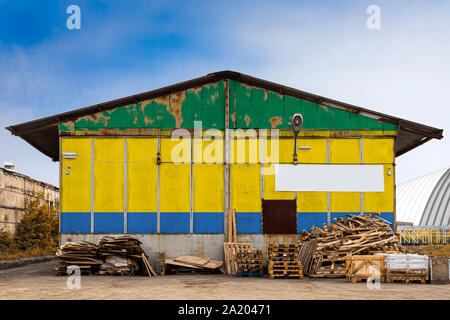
<point>192,265</point>
<point>356,235</point>
<point>249,262</point>
<point>83,255</point>
<point>283,261</point>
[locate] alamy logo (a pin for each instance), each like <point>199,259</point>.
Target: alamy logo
<point>374,20</point>
<point>74,20</point>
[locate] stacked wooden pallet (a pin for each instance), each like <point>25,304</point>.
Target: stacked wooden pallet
<point>83,255</point>
<point>283,261</point>
<point>230,251</point>
<point>249,262</point>
<point>356,235</point>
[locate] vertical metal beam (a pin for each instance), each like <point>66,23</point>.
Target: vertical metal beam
<point>158,178</point>
<point>261,156</point>
<point>125,182</point>
<point>361,161</point>
<point>191,193</point>
<point>226,162</point>
<point>328,193</point>
<point>92,185</point>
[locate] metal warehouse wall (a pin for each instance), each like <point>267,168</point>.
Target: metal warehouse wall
<point>115,185</point>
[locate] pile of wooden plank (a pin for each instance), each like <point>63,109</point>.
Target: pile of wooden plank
<point>83,255</point>
<point>249,262</point>
<point>123,256</point>
<point>356,235</point>
<point>192,265</point>
<point>122,246</point>
<point>283,261</point>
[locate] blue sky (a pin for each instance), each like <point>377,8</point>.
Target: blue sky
<point>126,47</point>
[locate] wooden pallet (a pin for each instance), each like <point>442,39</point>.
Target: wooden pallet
<point>230,250</point>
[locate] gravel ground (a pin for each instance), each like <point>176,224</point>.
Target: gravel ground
<point>37,281</point>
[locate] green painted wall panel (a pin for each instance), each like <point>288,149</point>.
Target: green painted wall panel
<point>249,107</point>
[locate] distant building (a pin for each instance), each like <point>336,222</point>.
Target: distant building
<point>14,187</point>
<point>425,201</point>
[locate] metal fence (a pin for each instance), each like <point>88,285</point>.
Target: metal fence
<point>424,234</point>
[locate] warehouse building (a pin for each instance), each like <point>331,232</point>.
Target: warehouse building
<point>168,164</point>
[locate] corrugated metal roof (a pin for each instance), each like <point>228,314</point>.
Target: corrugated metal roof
<point>43,133</point>
<point>425,200</point>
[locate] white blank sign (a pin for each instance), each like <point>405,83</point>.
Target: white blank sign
<point>329,177</point>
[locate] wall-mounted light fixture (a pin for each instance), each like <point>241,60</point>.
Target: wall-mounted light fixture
<point>297,121</point>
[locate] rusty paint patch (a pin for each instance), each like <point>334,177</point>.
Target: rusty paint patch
<point>247,120</point>
<point>176,100</point>
<point>275,121</point>
<point>233,118</point>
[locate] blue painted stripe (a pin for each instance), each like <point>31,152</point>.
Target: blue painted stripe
<point>174,222</point>
<point>108,222</point>
<point>248,222</point>
<point>142,222</point>
<point>208,222</point>
<point>75,222</point>
<point>305,220</point>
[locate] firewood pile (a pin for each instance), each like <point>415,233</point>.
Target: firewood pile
<point>356,235</point>
<point>83,255</point>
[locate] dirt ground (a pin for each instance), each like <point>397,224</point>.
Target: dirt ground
<point>37,281</point>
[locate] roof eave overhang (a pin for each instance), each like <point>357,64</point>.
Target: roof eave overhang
<point>49,125</point>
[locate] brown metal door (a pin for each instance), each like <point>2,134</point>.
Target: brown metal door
<point>279,216</point>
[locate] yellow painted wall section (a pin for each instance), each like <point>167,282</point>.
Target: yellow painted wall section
<point>142,175</point>
<point>208,150</point>
<point>208,188</point>
<point>109,175</point>
<point>312,201</point>
<point>76,186</point>
<point>345,151</point>
<point>246,187</point>
<point>177,150</point>
<point>285,152</point>
<point>174,179</point>
<point>380,151</point>
<point>244,150</point>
